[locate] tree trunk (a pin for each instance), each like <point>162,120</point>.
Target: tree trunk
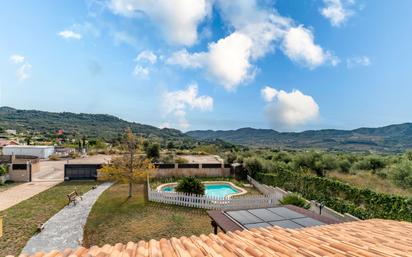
<point>130,189</point>
<point>145,193</point>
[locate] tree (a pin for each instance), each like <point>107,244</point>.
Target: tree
<point>131,168</point>
<point>190,185</point>
<point>153,151</point>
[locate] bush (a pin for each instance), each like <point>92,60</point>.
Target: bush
<point>402,174</point>
<point>231,157</point>
<point>295,199</point>
<point>54,157</point>
<point>373,163</point>
<point>153,151</point>
<point>190,185</point>
<point>342,197</point>
<point>253,166</point>
<point>180,160</point>
<point>344,165</point>
<point>3,170</point>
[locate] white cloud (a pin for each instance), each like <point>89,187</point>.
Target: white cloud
<point>23,72</point>
<point>177,19</point>
<point>337,11</point>
<point>298,44</point>
<point>141,72</point>
<point>226,60</point>
<point>147,56</point>
<point>186,60</point>
<point>176,103</point>
<point>268,93</point>
<point>358,61</point>
<point>16,58</point>
<point>69,34</point>
<point>288,110</point>
<point>257,32</point>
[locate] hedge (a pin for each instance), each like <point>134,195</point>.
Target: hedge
<point>342,197</point>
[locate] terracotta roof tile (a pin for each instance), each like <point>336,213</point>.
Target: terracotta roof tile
<point>359,239</point>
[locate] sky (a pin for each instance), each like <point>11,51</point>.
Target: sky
<point>212,64</point>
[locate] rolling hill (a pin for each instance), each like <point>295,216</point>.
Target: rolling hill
<point>92,125</point>
<point>393,138</point>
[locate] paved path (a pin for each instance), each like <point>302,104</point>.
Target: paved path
<point>65,229</point>
<point>22,192</point>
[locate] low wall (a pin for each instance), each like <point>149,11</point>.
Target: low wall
<point>19,175</point>
<point>192,170</point>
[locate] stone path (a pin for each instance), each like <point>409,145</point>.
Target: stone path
<point>65,229</point>
<point>17,194</point>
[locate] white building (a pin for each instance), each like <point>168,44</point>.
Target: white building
<point>40,151</point>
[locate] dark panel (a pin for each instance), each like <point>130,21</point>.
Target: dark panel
<point>19,166</point>
<point>211,165</point>
<point>81,171</point>
<point>188,166</point>
<point>165,165</point>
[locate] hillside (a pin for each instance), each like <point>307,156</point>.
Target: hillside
<point>91,125</point>
<point>393,138</point>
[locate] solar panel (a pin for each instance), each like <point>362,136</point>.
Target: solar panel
<point>277,216</point>
<point>286,213</point>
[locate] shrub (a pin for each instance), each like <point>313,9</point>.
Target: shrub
<point>231,157</point>
<point>180,160</point>
<point>3,170</point>
<point>342,197</point>
<point>54,157</point>
<point>295,199</point>
<point>344,165</point>
<point>402,174</point>
<point>253,166</point>
<point>190,185</point>
<point>153,151</point>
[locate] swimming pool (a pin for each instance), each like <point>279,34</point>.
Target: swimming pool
<point>213,189</point>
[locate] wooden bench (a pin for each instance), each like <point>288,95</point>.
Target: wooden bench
<point>73,197</point>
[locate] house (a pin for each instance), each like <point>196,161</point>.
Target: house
<point>4,142</point>
<point>373,237</point>
<point>40,151</point>
<point>11,131</point>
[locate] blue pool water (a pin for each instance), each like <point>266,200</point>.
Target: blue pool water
<point>215,190</point>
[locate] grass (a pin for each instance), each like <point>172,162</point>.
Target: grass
<point>368,180</point>
<point>8,185</point>
<point>20,221</point>
<point>115,218</point>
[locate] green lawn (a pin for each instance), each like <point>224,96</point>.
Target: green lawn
<point>21,221</point>
<point>114,219</point>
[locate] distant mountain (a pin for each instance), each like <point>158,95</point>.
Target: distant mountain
<point>393,138</point>
<point>92,125</point>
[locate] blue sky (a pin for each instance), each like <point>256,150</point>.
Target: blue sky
<point>212,64</point>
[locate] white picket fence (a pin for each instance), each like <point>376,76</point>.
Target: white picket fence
<point>213,203</point>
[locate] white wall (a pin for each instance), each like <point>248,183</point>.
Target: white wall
<point>40,152</point>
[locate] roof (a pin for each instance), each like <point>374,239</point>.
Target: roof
<point>359,238</point>
<point>5,142</point>
<point>30,146</point>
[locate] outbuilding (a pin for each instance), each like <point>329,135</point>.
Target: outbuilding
<point>40,151</point>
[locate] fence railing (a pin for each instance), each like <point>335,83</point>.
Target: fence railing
<point>214,203</point>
